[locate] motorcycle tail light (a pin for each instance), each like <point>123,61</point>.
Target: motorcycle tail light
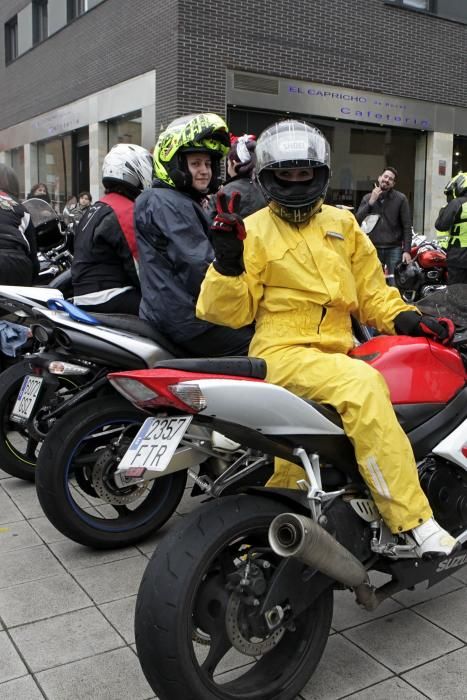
<point>464,450</point>
<point>133,390</point>
<point>189,394</point>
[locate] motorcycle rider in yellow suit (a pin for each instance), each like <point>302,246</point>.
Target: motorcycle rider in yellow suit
<point>301,273</point>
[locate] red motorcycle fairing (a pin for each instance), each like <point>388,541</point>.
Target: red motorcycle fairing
<point>416,370</point>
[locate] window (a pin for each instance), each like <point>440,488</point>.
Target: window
<point>11,39</point>
<point>449,9</point>
<point>75,8</point>
<point>39,21</point>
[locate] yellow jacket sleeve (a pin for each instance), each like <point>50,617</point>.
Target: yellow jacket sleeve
<point>231,301</point>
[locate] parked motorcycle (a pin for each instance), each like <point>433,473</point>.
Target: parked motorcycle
<point>427,272</point>
<point>250,578</point>
<point>69,365</point>
<point>54,244</point>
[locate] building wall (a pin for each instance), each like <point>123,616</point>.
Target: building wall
<point>363,44</point>
<point>111,43</point>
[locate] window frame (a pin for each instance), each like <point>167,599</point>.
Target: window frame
<point>11,40</point>
<point>431,10</point>
<point>76,8</point>
<point>40,21</point>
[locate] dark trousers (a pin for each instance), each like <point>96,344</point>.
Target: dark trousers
<point>219,341</point>
<point>390,257</point>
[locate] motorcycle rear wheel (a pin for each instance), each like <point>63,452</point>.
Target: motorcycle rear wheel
<point>80,445</point>
<point>184,606</point>
<point>18,449</point>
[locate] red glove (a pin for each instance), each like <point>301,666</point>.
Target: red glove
<point>411,323</point>
<point>227,220</point>
<point>227,235</point>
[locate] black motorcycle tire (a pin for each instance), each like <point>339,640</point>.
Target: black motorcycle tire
<point>166,609</point>
<point>12,460</point>
<point>61,443</point>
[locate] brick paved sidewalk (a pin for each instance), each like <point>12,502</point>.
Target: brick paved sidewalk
<point>66,623</point>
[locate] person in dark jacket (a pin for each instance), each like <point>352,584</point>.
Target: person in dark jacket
<point>172,232</point>
<point>452,222</point>
<point>104,268</point>
<point>18,246</point>
<point>392,234</point>
<point>241,178</point>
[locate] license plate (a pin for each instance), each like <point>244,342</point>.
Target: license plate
<point>26,399</point>
<point>154,445</point>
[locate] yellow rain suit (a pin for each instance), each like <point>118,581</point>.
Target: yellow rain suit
<point>301,284</point>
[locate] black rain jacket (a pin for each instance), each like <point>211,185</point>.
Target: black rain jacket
<point>172,233</point>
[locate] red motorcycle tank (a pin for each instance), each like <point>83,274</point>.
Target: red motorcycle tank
<point>428,259</point>
<point>416,370</point>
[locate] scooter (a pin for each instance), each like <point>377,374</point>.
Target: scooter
<point>251,575</point>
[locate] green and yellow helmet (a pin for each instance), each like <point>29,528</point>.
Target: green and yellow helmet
<point>192,133</point>
<point>457,186</point>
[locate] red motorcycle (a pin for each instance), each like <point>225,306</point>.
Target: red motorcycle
<point>248,579</point>
<point>426,273</point>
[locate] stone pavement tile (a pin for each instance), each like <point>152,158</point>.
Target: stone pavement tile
<point>36,600</point>
<point>46,531</point>
<point>443,678</point>
<point>149,544</point>
<point>11,665</point>
<point>20,689</point>
<point>422,593</point>
<point>403,640</point>
<point>115,675</point>
<point>75,556</point>
<point>392,689</point>
<point>461,574</point>
<point>348,614</point>
<point>17,535</point>
<point>448,612</point>
<point>343,669</point>
<point>9,513</point>
<point>60,640</point>
<point>4,475</point>
<point>24,496</point>
<point>27,565</point>
<point>121,613</point>
<point>118,579</point>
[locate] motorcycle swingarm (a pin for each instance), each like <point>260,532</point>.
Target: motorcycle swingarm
<point>296,584</point>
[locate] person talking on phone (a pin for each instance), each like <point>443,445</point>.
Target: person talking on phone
<point>392,233</point>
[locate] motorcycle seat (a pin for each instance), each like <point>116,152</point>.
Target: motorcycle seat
<point>140,327</point>
<point>253,367</point>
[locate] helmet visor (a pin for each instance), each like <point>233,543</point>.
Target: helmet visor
<point>292,144</point>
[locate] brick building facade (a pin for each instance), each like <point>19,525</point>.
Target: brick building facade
<point>102,62</point>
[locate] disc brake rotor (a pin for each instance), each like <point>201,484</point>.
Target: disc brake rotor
<point>104,483</point>
<point>250,646</point>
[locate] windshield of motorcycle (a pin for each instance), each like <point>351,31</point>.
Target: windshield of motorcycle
<point>451,302</point>
<point>41,212</point>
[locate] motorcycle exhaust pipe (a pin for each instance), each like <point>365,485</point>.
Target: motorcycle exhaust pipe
<point>292,535</point>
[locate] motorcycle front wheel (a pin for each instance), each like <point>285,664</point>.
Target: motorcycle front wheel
<point>199,634</point>
<point>75,485</point>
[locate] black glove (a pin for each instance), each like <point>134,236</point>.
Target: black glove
<point>227,235</point>
<point>413,323</point>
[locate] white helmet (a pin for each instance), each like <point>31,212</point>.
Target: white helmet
<point>129,164</point>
